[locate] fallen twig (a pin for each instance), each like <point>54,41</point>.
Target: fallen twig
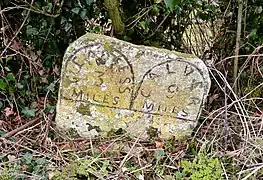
<point>15,131</point>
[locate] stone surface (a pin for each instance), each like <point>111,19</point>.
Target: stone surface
<point>108,84</point>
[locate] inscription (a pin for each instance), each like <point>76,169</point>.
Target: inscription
<point>148,106</point>
<point>79,95</point>
<point>155,107</point>
<point>122,89</point>
<point>146,94</point>
<point>196,84</point>
<point>117,83</point>
<point>168,69</point>
<point>108,84</point>
<point>194,101</point>
<point>172,89</point>
<point>188,70</point>
<point>99,75</point>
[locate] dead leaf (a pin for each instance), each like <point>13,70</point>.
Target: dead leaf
<point>24,167</point>
<point>17,120</point>
<point>65,147</point>
<point>8,111</point>
<point>16,45</point>
<point>51,175</point>
<point>212,98</point>
<point>159,144</point>
<point>103,148</point>
<point>11,158</point>
<point>258,113</point>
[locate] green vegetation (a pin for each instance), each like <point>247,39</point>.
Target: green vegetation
<point>202,168</point>
<point>33,38</point>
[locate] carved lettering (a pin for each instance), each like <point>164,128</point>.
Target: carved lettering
<point>156,88</point>
<point>196,84</point>
<point>188,70</point>
<point>168,69</point>
<point>75,62</point>
<point>115,100</point>
<point>100,74</point>
<point>174,110</point>
<point>194,101</point>
<point>182,114</point>
<point>100,61</point>
<point>77,95</point>
<point>105,99</point>
<point>173,88</point>
<point>148,106</point>
<point>153,75</point>
<point>126,80</point>
<point>124,89</point>
<point>161,108</point>
<point>94,98</point>
<point>123,68</point>
<point>144,94</point>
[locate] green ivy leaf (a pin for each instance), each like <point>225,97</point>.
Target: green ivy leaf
<point>172,3</point>
<point>28,157</point>
<point>10,77</point>
<point>143,25</point>
<point>41,161</point>
<point>83,14</point>
<point>51,87</point>
<point>97,29</point>
<point>157,1</point>
<point>31,31</point>
<point>9,58</point>
<point>50,109</point>
<point>28,112</point>
<point>3,84</point>
<point>105,165</point>
<point>11,89</point>
<point>19,86</point>
<point>75,10</point>
<point>89,2</point>
<point>159,153</point>
<point>2,133</point>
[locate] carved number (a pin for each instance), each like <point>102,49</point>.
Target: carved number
<point>100,74</point>
<point>123,89</point>
<point>172,89</point>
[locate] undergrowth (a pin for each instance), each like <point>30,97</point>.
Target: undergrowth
<point>33,38</point>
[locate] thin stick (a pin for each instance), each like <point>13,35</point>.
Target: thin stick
<point>239,22</point>
<point>15,131</point>
<point>226,118</point>
<point>16,34</point>
<point>127,155</point>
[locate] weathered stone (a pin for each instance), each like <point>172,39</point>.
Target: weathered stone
<point>108,84</point>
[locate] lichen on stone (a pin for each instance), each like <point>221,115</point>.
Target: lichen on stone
<point>108,84</point>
